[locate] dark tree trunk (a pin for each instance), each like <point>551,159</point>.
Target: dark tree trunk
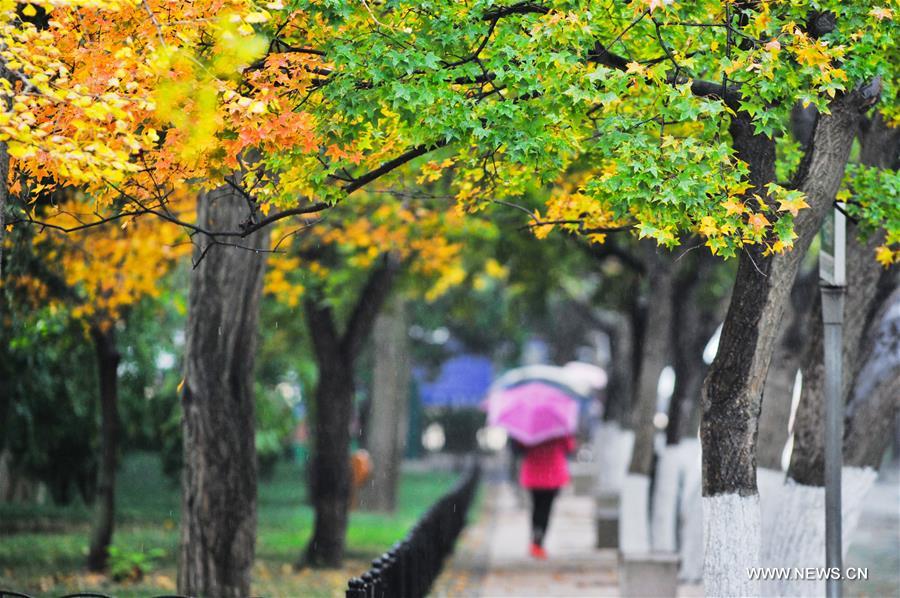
<point>655,355</point>
<point>778,390</point>
<point>218,517</point>
<point>868,287</point>
<point>638,317</point>
<point>336,354</point>
<point>4,194</point>
<point>621,361</point>
<point>863,272</point>
<point>329,475</point>
<point>104,506</point>
<point>733,389</point>
<point>696,313</point>
<point>873,401</point>
<point>390,400</point>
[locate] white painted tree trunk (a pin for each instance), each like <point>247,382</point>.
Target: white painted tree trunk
<point>691,511</point>
<point>612,446</point>
<point>770,483</point>
<point>731,538</point>
<point>634,516</point>
<point>795,528</point>
<point>666,490</point>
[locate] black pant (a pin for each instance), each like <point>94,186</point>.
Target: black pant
<point>541,503</point>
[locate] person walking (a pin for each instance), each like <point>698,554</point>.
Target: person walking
<point>543,472</point>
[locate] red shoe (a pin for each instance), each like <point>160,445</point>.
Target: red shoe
<point>538,552</point>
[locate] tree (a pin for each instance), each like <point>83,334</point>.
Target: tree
<point>218,532</point>
<point>95,277</point>
<point>634,530</point>
<point>699,298</point>
<point>867,328</point>
<point>389,405</point>
<point>778,391</point>
<point>355,259</point>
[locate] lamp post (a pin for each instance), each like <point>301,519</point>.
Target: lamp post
<point>833,285</point>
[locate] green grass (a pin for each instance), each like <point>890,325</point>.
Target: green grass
<point>48,557</point>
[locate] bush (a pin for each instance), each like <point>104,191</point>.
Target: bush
<point>132,565</point>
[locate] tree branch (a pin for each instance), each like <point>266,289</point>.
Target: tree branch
<point>371,299</point>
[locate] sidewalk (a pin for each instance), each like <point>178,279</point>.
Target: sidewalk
<point>492,561</point>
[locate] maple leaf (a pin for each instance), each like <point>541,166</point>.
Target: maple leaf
<point>733,206</point>
<point>792,204</point>
<point>708,226</point>
<point>884,256</point>
<point>882,13</point>
<point>758,222</point>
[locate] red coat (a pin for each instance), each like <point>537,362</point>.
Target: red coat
<point>545,465</point>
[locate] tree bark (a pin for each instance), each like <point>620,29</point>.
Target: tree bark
<point>617,327</point>
<point>873,401</point>
<point>733,389</point>
<point>4,166</point>
<point>4,195</point>
<point>794,526</point>
<point>795,529</point>
<point>655,355</point>
<point>104,507</point>
<point>778,390</point>
<point>218,516</point>
<point>868,287</point>
<point>388,412</point>
<point>697,308</point>
<point>336,354</point>
<point>329,475</point>
<point>634,527</point>
<point>696,313</point>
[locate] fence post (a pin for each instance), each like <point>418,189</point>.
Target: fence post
<point>356,588</point>
<point>367,580</point>
<point>377,578</point>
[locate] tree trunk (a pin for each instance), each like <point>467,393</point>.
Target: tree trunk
<point>329,475</point>
<point>655,355</point>
<point>873,401</point>
<point>634,528</point>
<point>218,515</point>
<point>104,506</point>
<point>793,521</point>
<point>336,354</point>
<point>4,197</point>
<point>389,407</point>
<point>4,166</point>
<point>733,389</point>
<point>621,349</point>
<point>696,313</point>
<point>794,524</point>
<point>864,276</point>
<point>611,443</point>
<point>778,390</point>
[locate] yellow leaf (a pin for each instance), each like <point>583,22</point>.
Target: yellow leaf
<point>792,205</point>
<point>884,255</point>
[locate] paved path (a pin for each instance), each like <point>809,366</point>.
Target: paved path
<point>492,559</point>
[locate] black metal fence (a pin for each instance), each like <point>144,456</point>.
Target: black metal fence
<point>409,568</point>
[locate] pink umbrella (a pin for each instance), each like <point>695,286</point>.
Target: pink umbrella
<point>533,412</point>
